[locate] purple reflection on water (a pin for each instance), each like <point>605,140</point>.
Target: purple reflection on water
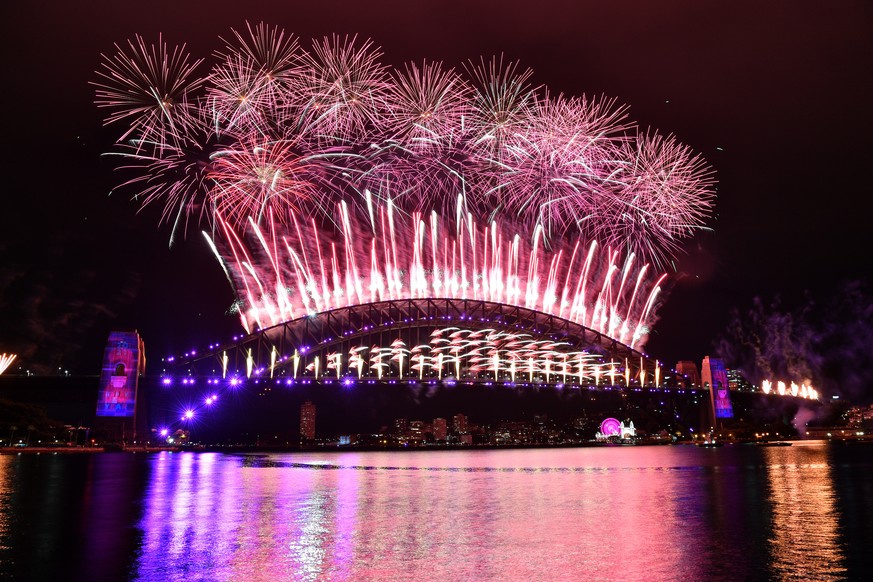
<point>651,513</point>
<point>680,512</point>
<point>190,517</point>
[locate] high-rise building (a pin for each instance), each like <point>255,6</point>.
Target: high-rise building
<point>417,429</point>
<point>459,423</point>
<point>738,382</point>
<point>439,429</point>
<point>307,421</point>
<point>689,377</point>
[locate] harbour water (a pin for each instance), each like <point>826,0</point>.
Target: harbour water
<point>737,512</point>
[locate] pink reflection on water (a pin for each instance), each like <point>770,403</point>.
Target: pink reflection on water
<point>589,514</point>
<point>492,514</point>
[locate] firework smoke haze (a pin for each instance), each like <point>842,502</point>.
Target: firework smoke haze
<point>276,138</point>
<point>826,344</point>
<point>773,343</point>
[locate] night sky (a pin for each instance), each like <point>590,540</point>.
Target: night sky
<point>776,96</point>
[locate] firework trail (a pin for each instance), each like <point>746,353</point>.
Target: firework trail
<point>502,98</point>
<point>265,146</point>
<point>150,88</point>
<point>6,361</point>
<point>283,276</point>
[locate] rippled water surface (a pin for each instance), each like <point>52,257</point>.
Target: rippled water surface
<point>618,513</point>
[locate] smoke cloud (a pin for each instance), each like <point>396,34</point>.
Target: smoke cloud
<point>802,418</point>
<point>53,312</point>
<point>826,344</point>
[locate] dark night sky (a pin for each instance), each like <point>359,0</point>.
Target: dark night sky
<point>777,96</point>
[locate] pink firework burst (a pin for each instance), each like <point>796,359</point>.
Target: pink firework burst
<point>343,89</point>
<point>427,106</point>
<point>149,87</point>
<point>176,176</point>
<point>257,176</point>
<point>673,184</point>
<point>501,105</point>
<point>419,180</point>
<point>563,163</point>
<point>255,84</point>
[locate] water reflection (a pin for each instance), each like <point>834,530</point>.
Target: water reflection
<point>652,513</point>
<point>191,513</point>
<point>596,514</point>
<point>7,487</point>
<point>805,538</point>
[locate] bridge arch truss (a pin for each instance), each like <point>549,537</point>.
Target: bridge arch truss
<point>290,348</point>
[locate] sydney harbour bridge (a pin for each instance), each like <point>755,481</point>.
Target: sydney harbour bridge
<point>453,344</point>
<point>450,343</point>
<point>467,348</point>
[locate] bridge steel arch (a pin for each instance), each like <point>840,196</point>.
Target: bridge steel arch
<point>272,348</point>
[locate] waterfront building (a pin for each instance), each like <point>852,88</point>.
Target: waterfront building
<point>440,429</point>
<point>417,430</point>
<point>459,423</point>
<point>307,421</point>
<point>860,416</point>
<point>737,382</point>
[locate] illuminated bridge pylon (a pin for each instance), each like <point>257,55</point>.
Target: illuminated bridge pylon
<point>429,339</point>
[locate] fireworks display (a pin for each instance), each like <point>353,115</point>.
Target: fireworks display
<point>802,390</point>
<point>416,258</point>
<point>459,353</point>
<point>6,361</point>
<point>325,179</point>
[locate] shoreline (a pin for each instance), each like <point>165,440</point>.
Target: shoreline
<point>248,449</point>
<point>304,449</point>
<point>65,450</point>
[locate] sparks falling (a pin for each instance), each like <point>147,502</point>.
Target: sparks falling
<point>6,361</point>
<point>286,275</point>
